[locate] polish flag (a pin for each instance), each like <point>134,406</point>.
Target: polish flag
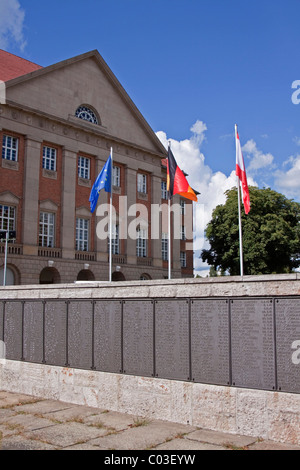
<point>241,173</point>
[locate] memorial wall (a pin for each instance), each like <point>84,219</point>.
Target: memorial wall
<point>250,341</point>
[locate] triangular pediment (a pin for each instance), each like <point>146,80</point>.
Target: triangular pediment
<point>7,197</point>
<point>48,205</point>
<point>58,90</point>
<point>83,212</point>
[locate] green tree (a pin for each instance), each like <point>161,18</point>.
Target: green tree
<point>271,234</point>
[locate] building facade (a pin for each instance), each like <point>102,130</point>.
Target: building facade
<point>58,125</point>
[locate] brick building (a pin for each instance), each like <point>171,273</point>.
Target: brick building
<point>57,126</point>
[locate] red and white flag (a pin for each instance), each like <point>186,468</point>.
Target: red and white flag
<point>241,173</point>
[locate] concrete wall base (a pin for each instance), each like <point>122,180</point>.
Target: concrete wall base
<point>269,415</point>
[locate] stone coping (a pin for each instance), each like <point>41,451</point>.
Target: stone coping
<point>228,286</point>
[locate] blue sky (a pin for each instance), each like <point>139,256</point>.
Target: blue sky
<point>194,68</point>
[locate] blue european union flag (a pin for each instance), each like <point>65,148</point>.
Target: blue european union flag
<point>103,181</point>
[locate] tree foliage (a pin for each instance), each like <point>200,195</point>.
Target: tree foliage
<point>271,234</point>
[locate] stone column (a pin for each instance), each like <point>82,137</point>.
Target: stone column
<point>156,222</point>
<point>31,195</point>
<point>131,199</point>
<point>176,231</point>
<point>68,204</point>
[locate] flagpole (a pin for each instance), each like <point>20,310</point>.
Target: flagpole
<point>110,218</point>
<point>240,218</point>
<point>169,240</point>
<point>169,233</point>
<point>5,259</point>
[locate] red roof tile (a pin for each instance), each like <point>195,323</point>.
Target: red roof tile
<point>12,66</point>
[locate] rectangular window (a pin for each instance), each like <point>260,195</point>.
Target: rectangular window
<point>82,234</point>
<point>10,148</point>
<point>46,229</point>
<point>7,217</point>
<point>182,232</point>
<point>49,158</point>
<point>183,259</point>
<point>164,246</point>
<point>164,192</point>
<point>84,165</point>
<point>115,240</point>
<point>141,243</point>
<point>182,207</point>
<point>116,176</point>
<point>142,183</point>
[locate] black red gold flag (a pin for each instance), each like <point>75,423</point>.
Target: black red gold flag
<point>176,181</point>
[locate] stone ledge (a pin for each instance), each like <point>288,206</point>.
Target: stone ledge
<point>227,286</point>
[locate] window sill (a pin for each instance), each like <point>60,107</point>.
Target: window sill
<point>143,196</point>
<point>49,174</point>
<point>84,182</point>
<point>116,189</point>
<point>10,164</point>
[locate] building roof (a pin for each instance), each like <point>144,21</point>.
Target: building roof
<point>12,66</point>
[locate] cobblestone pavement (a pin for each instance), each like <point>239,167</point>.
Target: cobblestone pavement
<point>28,423</point>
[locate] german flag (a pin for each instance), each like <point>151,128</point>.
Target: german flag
<point>176,181</point>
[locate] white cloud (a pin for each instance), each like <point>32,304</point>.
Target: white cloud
<point>288,181</point>
<point>296,140</point>
<point>212,186</point>
<point>198,130</point>
<point>11,24</point>
<point>225,137</point>
<point>258,158</point>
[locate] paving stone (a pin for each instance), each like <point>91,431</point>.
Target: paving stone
<point>221,439</point>
<point>4,394</point>
<point>22,443</point>
<point>270,445</point>
<point>186,444</point>
<point>6,413</point>
<point>66,434</point>
<point>75,413</point>
<point>85,446</point>
<point>45,406</point>
<point>8,399</point>
<point>142,437</point>
<point>23,422</point>
<point>113,420</point>
<point>5,431</point>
